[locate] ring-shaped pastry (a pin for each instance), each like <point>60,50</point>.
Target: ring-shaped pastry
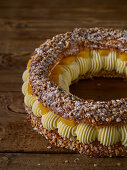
<point>96,128</point>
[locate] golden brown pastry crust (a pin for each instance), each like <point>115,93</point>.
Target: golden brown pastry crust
<point>58,100</point>
<point>94,149</point>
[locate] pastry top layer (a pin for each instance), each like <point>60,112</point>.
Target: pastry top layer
<point>58,100</point>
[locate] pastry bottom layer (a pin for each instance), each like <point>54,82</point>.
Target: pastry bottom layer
<point>94,149</point>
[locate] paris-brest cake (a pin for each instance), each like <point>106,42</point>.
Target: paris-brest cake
<point>96,128</point>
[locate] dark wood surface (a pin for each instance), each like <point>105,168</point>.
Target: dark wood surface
<point>24,25</point>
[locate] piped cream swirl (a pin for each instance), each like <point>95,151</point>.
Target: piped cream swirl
<point>29,100</point>
<point>110,61</point>
<point>73,68</point>
<point>96,62</point>
<point>25,75</point>
<point>66,75</point>
<point>85,133</point>
<point>108,135</point>
<point>120,66</point>
<point>66,131</point>
<point>124,135</point>
<point>84,64</point>
<point>37,109</point>
<point>65,78</point>
<point>50,121</point>
<point>25,87</point>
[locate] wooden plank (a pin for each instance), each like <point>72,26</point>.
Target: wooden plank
<point>17,61</point>
<point>16,133</point>
<point>19,4</point>
<point>65,14</point>
<point>42,22</point>
<point>58,161</point>
<point>11,81</point>
<point>24,25</point>
<point>23,28</point>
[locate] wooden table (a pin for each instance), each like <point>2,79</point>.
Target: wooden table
<point>24,25</point>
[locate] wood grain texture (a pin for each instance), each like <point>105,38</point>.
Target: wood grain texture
<point>24,25</point>
<point>62,161</point>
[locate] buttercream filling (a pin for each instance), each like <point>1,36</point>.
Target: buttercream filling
<point>66,131</point>
<point>86,133</point>
<point>108,135</point>
<point>96,62</point>
<point>110,61</point>
<point>25,87</point>
<point>65,73</point>
<point>84,64</point>
<point>25,75</point>
<point>30,100</point>
<point>38,109</point>
<point>93,63</point>
<point>50,121</point>
<point>121,66</point>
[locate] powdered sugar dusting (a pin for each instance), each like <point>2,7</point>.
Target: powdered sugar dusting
<point>66,104</point>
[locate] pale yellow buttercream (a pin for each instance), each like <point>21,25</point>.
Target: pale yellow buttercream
<point>66,131</point>
<point>36,109</point>
<point>69,73</point>
<point>29,100</point>
<point>73,68</point>
<point>108,135</point>
<point>110,61</point>
<point>50,121</point>
<point>25,87</point>
<point>66,75</point>
<point>96,62</point>
<point>120,66</point>
<point>85,133</point>
<point>123,131</point>
<point>25,75</point>
<point>63,83</point>
<point>125,71</point>
<point>84,64</point>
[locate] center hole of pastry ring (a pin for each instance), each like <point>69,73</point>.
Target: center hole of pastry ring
<point>100,89</point>
<point>98,68</point>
